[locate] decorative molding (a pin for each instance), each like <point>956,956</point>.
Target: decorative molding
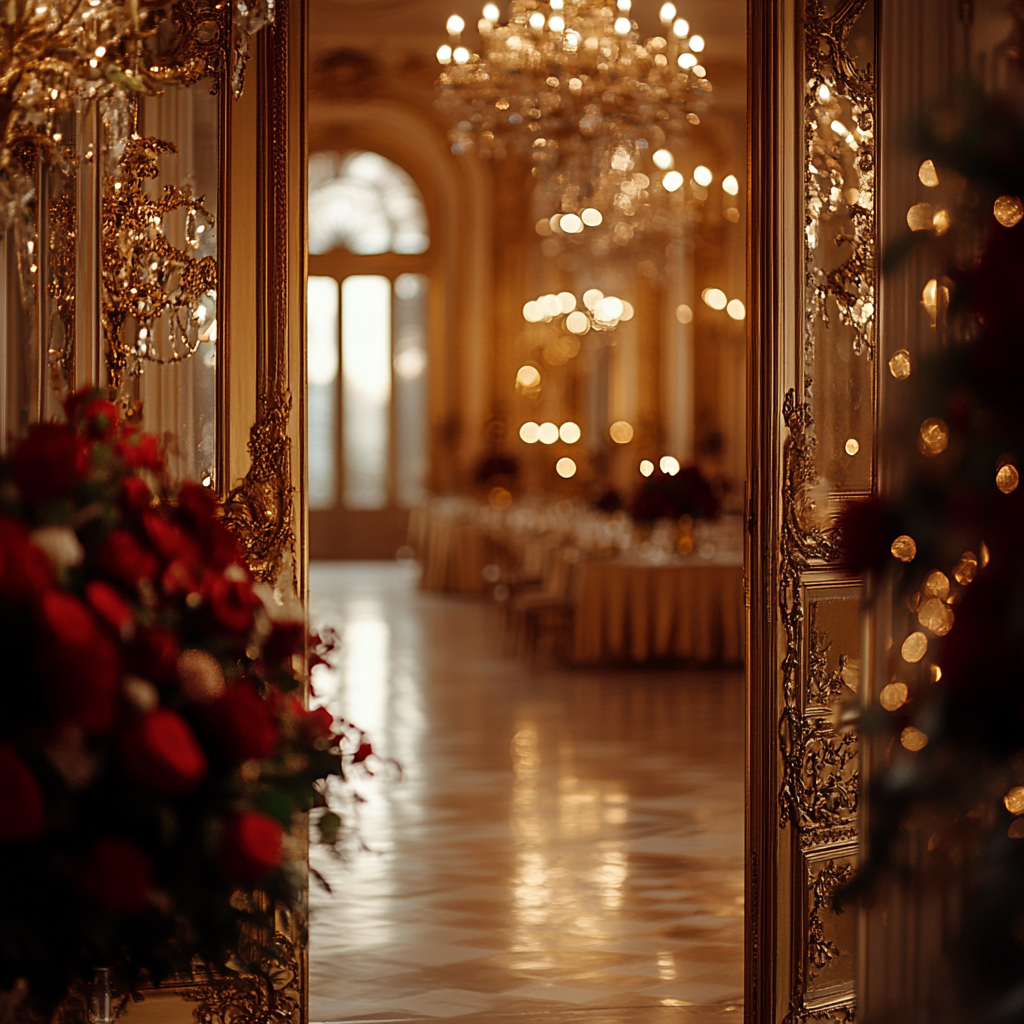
<point>270,994</point>
<point>818,794</point>
<point>831,165</point>
<point>260,508</point>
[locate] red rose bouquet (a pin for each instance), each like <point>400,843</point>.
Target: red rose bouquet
<point>155,750</point>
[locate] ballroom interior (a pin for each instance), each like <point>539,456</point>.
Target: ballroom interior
<point>552,373</point>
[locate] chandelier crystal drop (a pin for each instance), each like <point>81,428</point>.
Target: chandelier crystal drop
<point>563,71</point>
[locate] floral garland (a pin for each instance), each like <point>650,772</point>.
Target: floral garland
<point>155,751</point>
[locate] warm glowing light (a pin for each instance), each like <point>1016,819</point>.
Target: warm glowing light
<point>460,55</point>
<point>566,302</point>
<point>667,13</point>
<point>565,468</point>
<point>621,432</point>
<point>530,432</point>
<point>941,222</point>
<point>696,43</point>
<point>680,28</point>
<point>591,217</point>
<point>966,569</point>
<point>646,467</point>
<point>548,433</point>
<point>933,437</point>
<point>609,309</point>
<point>935,299</point>
<point>1008,211</point>
<point>622,26</point>
<point>852,446</point>
<point>703,176</point>
<point>455,25</point>
<point>914,647</point>
<point>1014,800</point>
<point>668,464</point>
<point>893,697</point>
<point>444,54</point>
<point>536,21</point>
<point>927,174</point>
<point>824,93</point>
<point>627,310</point>
<point>570,432</point>
<point>913,739</point>
<point>731,185</point>
<point>1007,478</point>
<point>663,159</point>
<point>592,296</point>
<point>491,12</point>
<point>736,310</point>
<point>672,181</point>
<point>532,313</point>
<point>921,217</point>
<point>904,548</point>
<point>528,376</point>
<point>684,314</point>
<point>687,60</point>
<point>577,322</point>
<point>571,224</point>
<point>715,298</point>
<point>899,365</point>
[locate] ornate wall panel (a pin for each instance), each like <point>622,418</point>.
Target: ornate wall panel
<point>152,238</point>
<point>813,410</point>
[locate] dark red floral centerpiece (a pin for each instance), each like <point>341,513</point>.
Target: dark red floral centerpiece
<point>665,496</point>
<point>155,750</point>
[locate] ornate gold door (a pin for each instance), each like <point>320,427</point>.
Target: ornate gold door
<point>812,447</point>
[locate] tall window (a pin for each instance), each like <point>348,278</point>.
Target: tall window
<point>367,334</point>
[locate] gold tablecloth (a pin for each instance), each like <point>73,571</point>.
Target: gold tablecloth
<point>627,612</point>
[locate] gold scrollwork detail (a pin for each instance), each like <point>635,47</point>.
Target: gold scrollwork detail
<point>821,950</point>
<point>839,136</point>
<point>820,779</point>
<point>260,509</point>
<point>269,994</point>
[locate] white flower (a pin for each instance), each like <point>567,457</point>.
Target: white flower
<point>61,545</point>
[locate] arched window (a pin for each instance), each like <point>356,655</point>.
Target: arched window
<point>367,322</point>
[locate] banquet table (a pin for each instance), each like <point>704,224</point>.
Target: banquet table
<point>627,611</point>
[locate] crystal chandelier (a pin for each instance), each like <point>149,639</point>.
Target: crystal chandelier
<point>598,111</point>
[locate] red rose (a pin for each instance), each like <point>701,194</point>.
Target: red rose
<point>316,727</point>
<point>101,418</point>
<point>286,638</point>
<point>111,607</point>
<point>22,814</point>
<point>141,451</point>
<point>116,874</point>
<point>243,723</point>
<point>232,602</point>
<point>160,750</point>
<point>135,494</point>
<point>25,569</point>
<point>78,661</point>
<point>125,559</point>
<point>154,654</point>
<point>252,847</point>
<point>49,462</point>
<point>197,500</point>
<point>365,750</point>
<point>170,539</point>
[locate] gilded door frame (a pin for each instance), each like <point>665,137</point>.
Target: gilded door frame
<point>802,773</point>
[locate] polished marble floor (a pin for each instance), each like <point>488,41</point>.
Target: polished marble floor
<point>561,846</point>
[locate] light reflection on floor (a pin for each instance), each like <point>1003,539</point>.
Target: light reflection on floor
<point>561,845</point>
